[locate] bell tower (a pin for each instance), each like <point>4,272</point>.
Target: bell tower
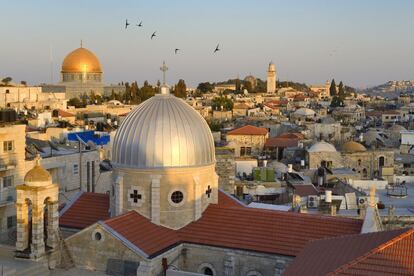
<point>36,208</point>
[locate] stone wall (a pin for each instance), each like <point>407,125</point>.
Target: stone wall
<point>256,142</point>
<point>231,262</point>
<point>225,169</point>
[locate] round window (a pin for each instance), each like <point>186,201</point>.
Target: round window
<point>98,236</point>
<point>177,197</point>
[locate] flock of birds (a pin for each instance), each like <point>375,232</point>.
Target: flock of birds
<point>154,34</point>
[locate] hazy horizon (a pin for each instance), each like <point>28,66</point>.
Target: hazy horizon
<point>362,43</point>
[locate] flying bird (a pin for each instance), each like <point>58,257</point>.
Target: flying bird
<point>153,34</point>
<point>217,49</point>
<point>140,24</point>
<point>176,50</point>
<point>126,23</point>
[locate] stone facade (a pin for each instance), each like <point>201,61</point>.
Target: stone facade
<point>371,164</point>
<point>250,143</point>
<point>90,253</point>
<point>72,178</point>
<point>12,171</point>
<point>20,97</point>
<point>151,191</point>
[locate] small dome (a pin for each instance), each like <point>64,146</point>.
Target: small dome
<point>81,60</point>
<point>322,147</point>
<point>304,112</point>
<point>353,146</point>
<point>397,128</point>
<point>37,176</point>
<point>162,132</point>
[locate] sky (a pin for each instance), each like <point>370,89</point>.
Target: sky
<point>361,42</point>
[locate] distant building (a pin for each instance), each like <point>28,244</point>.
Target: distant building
<point>248,140</point>
<point>271,78</point>
<point>252,80</point>
<point>82,73</point>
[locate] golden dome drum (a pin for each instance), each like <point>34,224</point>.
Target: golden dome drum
<point>81,60</point>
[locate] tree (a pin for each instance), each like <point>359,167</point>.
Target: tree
<point>238,85</point>
<point>23,83</point>
<point>222,102</point>
<point>180,89</point>
<point>205,87</point>
<point>75,102</point>
<point>341,90</point>
<point>248,86</point>
<point>146,91</point>
<point>337,101</point>
<point>6,80</point>
<point>332,89</point>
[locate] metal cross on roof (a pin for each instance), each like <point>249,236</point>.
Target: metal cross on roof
<point>164,69</point>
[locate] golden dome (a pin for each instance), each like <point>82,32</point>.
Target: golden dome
<point>353,146</point>
<point>81,60</point>
<point>37,176</point>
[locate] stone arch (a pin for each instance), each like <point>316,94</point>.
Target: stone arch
<point>207,269</point>
<point>253,273</point>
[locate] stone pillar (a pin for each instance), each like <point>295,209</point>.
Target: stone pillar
<point>155,199</point>
<point>230,266</point>
<point>119,194</point>
<point>52,224</point>
<point>22,214</point>
<point>198,194</point>
<point>145,269</point>
<point>38,244</point>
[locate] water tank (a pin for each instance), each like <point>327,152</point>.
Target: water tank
<point>8,115</point>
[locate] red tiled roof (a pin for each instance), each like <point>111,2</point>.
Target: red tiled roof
<point>85,210</point>
<point>274,142</point>
<point>248,130</point>
<point>230,224</point>
<point>63,113</point>
<point>292,135</point>
<point>305,189</point>
<point>380,253</point>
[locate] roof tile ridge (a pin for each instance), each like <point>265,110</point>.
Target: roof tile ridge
<point>377,249</point>
<point>120,216</point>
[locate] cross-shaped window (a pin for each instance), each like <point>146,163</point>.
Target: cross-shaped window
<point>135,196</point>
<point>208,191</point>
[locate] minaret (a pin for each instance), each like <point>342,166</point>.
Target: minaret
<point>271,78</point>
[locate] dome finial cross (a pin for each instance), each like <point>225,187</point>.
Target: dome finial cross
<point>164,69</point>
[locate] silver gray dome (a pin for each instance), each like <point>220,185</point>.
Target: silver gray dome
<point>163,131</point>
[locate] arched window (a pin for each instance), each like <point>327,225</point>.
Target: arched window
<point>381,161</point>
<point>364,173</point>
<point>359,162</point>
<point>207,269</point>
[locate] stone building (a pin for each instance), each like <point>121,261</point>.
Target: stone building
<point>168,213</point>
<point>12,171</point>
<point>271,78</point>
<point>247,140</point>
<point>226,169</point>
<point>369,163</point>
<point>82,73</point>
<point>323,153</point>
<point>27,97</point>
